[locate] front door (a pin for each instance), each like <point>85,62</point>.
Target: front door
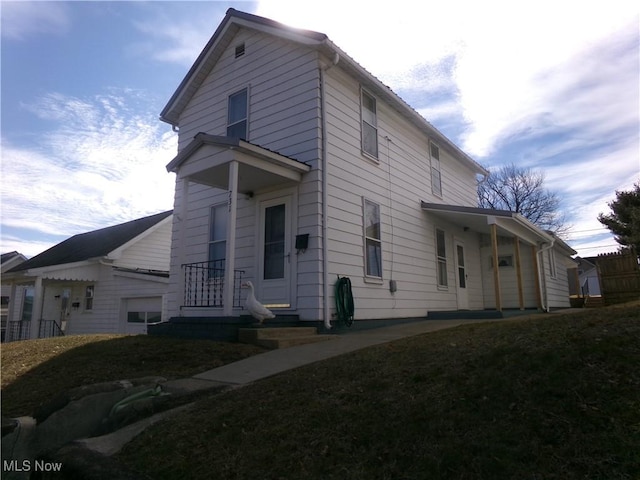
<point>274,272</point>
<point>461,277</point>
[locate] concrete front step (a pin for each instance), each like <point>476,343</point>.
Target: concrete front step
<point>280,337</point>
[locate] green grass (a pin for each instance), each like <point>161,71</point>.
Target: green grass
<point>545,398</point>
<point>35,371</point>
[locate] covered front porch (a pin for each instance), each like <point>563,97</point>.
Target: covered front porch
<point>245,171</point>
<point>42,300</point>
<point>500,231</point>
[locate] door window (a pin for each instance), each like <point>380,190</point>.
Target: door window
<point>274,241</point>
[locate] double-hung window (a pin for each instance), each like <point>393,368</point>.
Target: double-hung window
<point>218,240</point>
<point>552,263</point>
<point>441,257</point>
<point>436,179</point>
<point>237,114</point>
<point>369,124</point>
<point>372,240</point>
<point>89,292</point>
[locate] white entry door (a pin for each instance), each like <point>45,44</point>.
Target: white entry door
<point>274,262</point>
<point>461,277</point>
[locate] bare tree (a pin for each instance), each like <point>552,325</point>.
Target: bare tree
<point>522,190</point>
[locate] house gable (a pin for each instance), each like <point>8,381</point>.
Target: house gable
<point>86,246</point>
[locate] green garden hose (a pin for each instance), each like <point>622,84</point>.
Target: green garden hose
<point>344,301</point>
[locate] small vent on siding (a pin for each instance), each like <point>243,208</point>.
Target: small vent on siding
<point>240,50</point>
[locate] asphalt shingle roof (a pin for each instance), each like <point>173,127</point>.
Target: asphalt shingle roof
<point>97,243</point>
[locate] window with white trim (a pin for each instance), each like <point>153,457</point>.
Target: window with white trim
<point>218,239</point>
<point>441,258</point>
<point>372,240</point>
<point>436,178</point>
<point>237,114</point>
<point>89,292</point>
<point>368,112</point>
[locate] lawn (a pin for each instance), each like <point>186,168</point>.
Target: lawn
<point>543,398</point>
<point>35,371</point>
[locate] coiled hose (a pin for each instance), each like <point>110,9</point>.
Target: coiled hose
<point>344,301</point>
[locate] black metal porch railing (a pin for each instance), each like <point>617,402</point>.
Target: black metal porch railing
<point>204,284</point>
<point>49,328</point>
<point>20,330</point>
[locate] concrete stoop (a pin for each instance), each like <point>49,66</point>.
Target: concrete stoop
<point>280,337</point>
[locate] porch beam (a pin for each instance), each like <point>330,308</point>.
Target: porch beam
<point>230,256</point>
<point>519,274</point>
<point>496,273</point>
<point>536,275</point>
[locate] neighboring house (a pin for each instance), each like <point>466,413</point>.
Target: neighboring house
<point>588,276</point>
<point>7,262</point>
<point>110,280</point>
<point>296,166</point>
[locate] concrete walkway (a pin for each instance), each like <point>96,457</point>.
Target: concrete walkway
<point>273,362</point>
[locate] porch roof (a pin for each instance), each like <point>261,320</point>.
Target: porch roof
<point>206,160</point>
<point>481,219</point>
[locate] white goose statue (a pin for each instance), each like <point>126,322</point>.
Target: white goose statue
<point>255,308</point>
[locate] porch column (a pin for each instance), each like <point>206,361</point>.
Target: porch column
<point>519,275</point>
<point>536,274</point>
<point>36,312</point>
<point>496,272</point>
<point>183,224</point>
<point>230,256</point>
<point>11,312</point>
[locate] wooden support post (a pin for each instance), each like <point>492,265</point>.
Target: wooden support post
<point>496,268</point>
<point>519,274</point>
<point>536,274</point>
<point>230,260</point>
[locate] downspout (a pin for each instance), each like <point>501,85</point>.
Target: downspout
<point>326,310</point>
<point>541,273</point>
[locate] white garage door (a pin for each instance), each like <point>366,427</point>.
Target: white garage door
<point>140,312</point>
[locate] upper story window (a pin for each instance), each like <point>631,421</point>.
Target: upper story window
<point>218,240</point>
<point>237,116</point>
<point>436,178</point>
<point>369,124</point>
<point>372,239</point>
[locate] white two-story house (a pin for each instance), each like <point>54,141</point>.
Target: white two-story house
<point>296,166</point>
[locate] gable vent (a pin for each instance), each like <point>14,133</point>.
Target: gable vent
<point>240,50</point>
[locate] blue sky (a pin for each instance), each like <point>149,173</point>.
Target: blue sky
<point>549,85</point>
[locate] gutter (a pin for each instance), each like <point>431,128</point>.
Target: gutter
<point>326,310</point>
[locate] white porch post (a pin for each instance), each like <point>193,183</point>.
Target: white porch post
<point>11,313</point>
<point>230,256</point>
<point>36,313</point>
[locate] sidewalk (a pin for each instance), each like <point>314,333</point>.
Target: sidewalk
<point>273,362</point>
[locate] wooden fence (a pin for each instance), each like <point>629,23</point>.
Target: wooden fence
<point>619,275</point>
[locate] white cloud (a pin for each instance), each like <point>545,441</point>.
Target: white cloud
<point>104,164</point>
<point>23,19</point>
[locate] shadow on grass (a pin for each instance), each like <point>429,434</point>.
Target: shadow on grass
<point>553,398</point>
<point>35,371</point>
